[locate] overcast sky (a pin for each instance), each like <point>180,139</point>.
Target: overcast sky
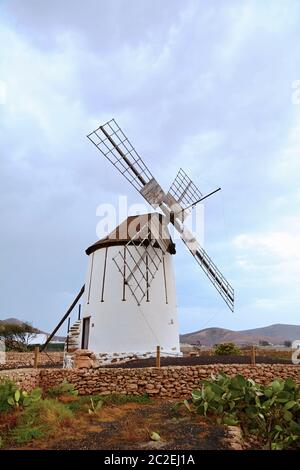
<point>203,85</point>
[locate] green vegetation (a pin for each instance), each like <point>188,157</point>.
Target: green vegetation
<point>154,436</point>
<point>25,434</point>
<point>65,388</point>
<point>226,349</point>
<point>7,389</point>
<point>95,408</point>
<point>118,399</point>
<point>55,347</point>
<point>17,337</point>
<point>84,402</point>
<point>23,398</point>
<point>271,413</point>
<point>28,416</point>
<point>41,419</point>
<point>262,342</point>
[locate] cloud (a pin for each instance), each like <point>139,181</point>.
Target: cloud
<point>271,304</point>
<point>269,265</point>
<point>286,168</point>
<point>273,254</point>
<point>280,245</point>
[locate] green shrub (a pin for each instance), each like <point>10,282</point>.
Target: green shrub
<point>65,388</point>
<point>120,399</point>
<point>83,403</point>
<point>7,389</point>
<point>23,398</point>
<point>95,407</point>
<point>49,412</point>
<point>41,419</point>
<point>23,435</point>
<point>226,349</point>
<point>271,412</point>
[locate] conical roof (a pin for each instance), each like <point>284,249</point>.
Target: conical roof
<point>127,230</point>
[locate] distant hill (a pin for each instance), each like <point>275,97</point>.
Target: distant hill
<point>12,321</point>
<point>16,321</point>
<point>274,334</point>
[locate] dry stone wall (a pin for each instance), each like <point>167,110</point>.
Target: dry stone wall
<point>27,379</point>
<point>167,382</point>
<point>17,360</point>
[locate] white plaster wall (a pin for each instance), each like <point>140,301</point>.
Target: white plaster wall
<point>118,326</point>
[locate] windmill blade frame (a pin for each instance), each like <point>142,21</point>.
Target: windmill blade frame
<point>208,266</point>
<point>111,141</point>
<point>182,194</point>
<point>210,269</point>
<point>116,147</point>
<point>184,190</point>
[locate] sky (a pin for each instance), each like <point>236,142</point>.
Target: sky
<point>209,86</point>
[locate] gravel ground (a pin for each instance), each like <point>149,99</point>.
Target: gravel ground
<point>130,429</point>
<point>201,360</point>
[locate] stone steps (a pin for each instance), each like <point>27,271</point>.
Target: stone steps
<point>73,337</point>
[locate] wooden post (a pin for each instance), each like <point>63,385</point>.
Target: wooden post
<point>36,356</point>
<point>157,356</point>
<point>253,354</point>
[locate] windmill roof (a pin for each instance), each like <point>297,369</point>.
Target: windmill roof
<point>127,232</point>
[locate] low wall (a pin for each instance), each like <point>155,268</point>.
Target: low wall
<point>17,360</point>
<point>26,379</point>
<point>168,382</point>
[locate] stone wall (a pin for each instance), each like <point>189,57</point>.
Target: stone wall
<point>17,360</point>
<point>27,379</point>
<point>168,382</point>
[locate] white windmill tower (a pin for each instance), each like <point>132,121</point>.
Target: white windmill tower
<point>129,304</point>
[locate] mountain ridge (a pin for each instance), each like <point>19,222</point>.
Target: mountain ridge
<point>16,321</point>
<point>275,334</point>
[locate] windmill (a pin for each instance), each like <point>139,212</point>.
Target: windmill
<point>129,306</point>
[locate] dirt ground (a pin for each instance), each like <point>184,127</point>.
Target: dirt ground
<point>198,360</point>
<point>129,426</point>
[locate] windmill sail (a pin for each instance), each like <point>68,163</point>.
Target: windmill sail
<point>183,190</point>
<point>203,259</point>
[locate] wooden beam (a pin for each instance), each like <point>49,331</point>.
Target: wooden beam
<point>63,318</point>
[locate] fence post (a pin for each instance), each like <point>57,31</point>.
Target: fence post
<point>253,355</point>
<point>36,356</point>
<point>157,356</point>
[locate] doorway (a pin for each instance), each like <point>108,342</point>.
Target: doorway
<point>85,333</point>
